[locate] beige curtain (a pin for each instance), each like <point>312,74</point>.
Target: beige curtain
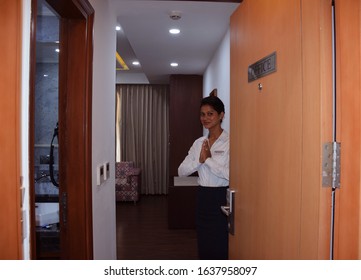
<point>142,133</point>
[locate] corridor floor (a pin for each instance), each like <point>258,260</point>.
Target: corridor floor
<point>143,234</point>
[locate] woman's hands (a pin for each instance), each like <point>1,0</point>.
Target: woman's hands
<point>205,152</point>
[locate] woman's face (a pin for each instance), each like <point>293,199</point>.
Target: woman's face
<point>210,117</point>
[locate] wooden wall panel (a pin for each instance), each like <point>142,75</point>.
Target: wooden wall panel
<point>348,46</point>
<point>10,75</point>
<point>184,123</point>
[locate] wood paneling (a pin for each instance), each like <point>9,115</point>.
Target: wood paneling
<point>184,123</point>
<point>10,84</point>
<point>182,215</point>
<point>75,99</point>
<point>348,46</point>
<point>74,134</point>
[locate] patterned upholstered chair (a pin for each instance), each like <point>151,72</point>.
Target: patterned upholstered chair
<point>127,181</point>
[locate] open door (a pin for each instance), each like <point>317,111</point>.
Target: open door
<point>281,114</point>
<point>72,232</point>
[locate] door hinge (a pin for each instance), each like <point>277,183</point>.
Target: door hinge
<point>331,165</point>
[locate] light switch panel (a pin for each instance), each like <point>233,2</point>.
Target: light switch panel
<point>100,175</point>
<point>106,170</point>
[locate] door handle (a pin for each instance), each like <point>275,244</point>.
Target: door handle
<point>226,210</point>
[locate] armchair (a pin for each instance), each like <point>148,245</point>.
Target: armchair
<point>127,181</point>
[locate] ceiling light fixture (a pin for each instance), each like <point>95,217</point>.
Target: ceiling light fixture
<point>57,50</point>
<point>174,64</point>
<point>174,31</point>
<point>136,63</point>
<point>175,15</point>
<point>117,28</point>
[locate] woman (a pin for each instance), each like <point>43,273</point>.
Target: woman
<point>209,156</point>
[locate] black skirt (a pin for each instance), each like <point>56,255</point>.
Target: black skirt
<point>211,223</point>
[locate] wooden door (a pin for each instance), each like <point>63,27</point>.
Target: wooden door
<point>75,119</point>
<point>281,208</point>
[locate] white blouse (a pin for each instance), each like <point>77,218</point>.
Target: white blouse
<point>214,172</point>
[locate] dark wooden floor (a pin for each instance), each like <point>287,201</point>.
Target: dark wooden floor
<point>143,234</point>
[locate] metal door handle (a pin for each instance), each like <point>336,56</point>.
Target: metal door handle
<point>226,210</point>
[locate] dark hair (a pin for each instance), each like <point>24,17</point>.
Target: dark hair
<point>214,102</point>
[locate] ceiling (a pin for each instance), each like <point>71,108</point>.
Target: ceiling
<point>145,37</point>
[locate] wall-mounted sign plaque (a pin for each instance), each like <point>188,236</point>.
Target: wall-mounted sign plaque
<point>263,67</point>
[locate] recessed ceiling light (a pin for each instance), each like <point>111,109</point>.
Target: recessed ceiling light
<point>46,75</point>
<point>57,50</point>
<point>135,63</point>
<point>174,64</point>
<point>175,15</point>
<point>174,31</point>
<point>117,28</point>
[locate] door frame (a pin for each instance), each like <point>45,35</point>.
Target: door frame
<point>75,123</point>
<point>347,243</point>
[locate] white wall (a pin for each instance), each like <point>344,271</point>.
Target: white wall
<point>25,74</point>
<point>103,140</point>
<point>217,75</point>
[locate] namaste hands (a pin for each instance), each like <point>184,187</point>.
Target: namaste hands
<point>205,152</point>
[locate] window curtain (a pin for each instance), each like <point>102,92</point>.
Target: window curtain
<point>142,133</point>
